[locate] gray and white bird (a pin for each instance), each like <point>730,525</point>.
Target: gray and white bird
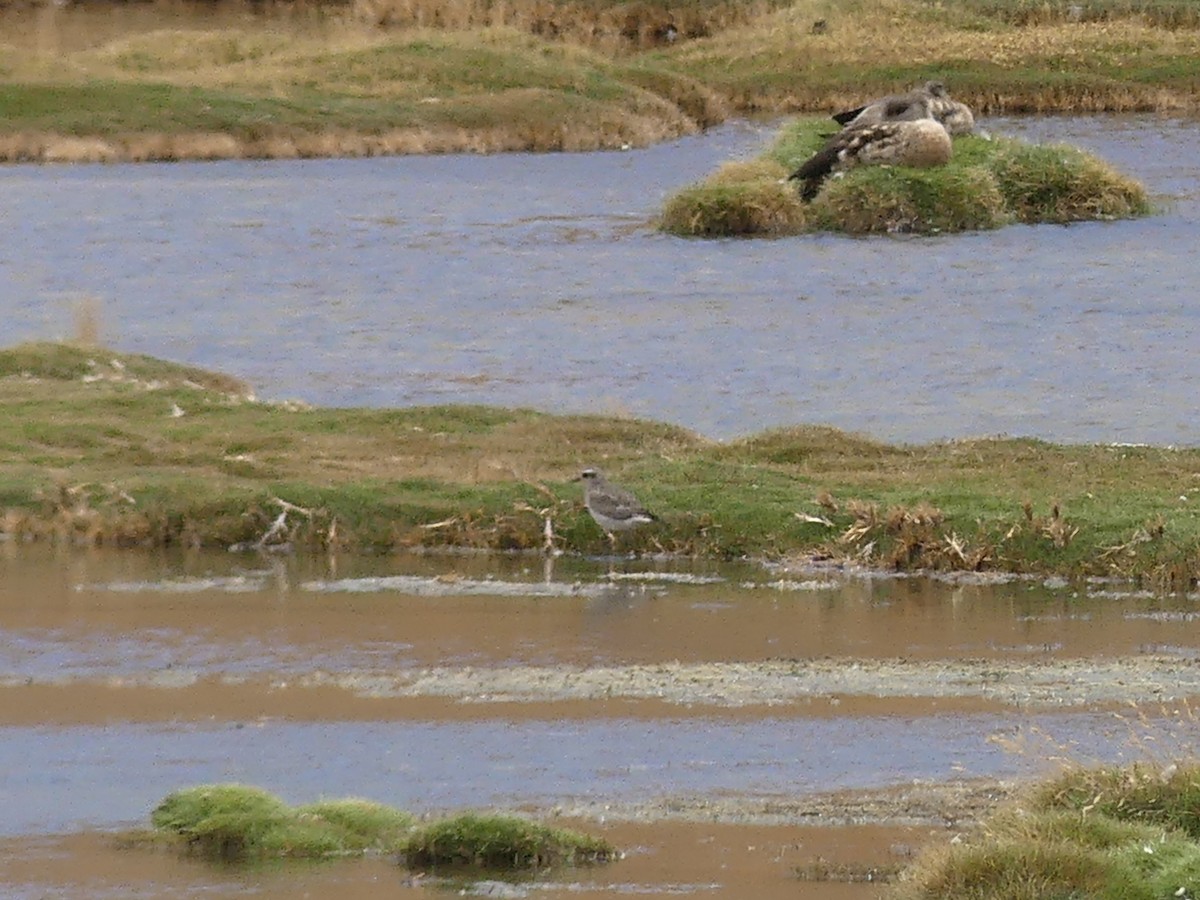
<point>612,507</point>
<point>956,117</point>
<point>920,142</point>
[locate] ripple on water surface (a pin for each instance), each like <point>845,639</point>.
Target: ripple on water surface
<point>537,281</point>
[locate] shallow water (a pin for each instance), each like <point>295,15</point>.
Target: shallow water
<point>124,676</point>
<point>536,280</point>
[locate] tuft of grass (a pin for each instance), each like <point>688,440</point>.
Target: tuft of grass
<point>1063,184</point>
<point>892,200</point>
<point>988,184</point>
<point>504,842</point>
<point>1108,834</point>
<point>1165,797</point>
<point>729,206</point>
<point>238,822</point>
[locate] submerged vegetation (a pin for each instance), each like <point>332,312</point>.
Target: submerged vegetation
<point>98,447</point>
<point>412,76</point>
<point>235,822</point>
<point>988,183</point>
<point>1104,834</point>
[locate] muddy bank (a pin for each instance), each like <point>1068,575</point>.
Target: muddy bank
<point>809,688</point>
<point>710,860</point>
<point>948,804</point>
<point>1056,684</point>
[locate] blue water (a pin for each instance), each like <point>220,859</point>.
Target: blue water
<point>537,280</point>
<point>113,776</point>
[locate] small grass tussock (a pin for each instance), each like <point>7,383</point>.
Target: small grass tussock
<point>237,822</point>
<point>1063,184</point>
<point>988,184</point>
<point>726,208</point>
<point>501,842</point>
<point>1108,833</point>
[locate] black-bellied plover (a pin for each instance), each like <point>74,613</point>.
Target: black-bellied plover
<point>612,507</point>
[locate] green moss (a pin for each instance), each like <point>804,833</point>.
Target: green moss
<point>361,824</point>
<point>505,842</point>
<point>237,822</point>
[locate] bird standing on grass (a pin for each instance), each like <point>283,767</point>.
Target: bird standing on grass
<point>613,508</point>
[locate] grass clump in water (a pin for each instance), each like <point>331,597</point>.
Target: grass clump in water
<point>740,199</point>
<point>988,184</point>
<point>1063,184</point>
<point>1102,834</point>
<point>502,842</point>
<point>238,822</point>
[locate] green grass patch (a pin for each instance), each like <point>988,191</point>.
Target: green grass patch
<point>1102,834</point>
<point>989,183</point>
<point>235,822</point>
<point>501,842</point>
<point>133,451</point>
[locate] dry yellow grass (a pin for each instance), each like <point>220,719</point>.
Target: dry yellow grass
<point>423,76</point>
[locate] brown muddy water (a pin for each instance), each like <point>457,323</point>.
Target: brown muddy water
<point>725,724</point>
<point>538,280</point>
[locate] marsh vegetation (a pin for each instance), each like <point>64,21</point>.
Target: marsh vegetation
<point>382,76</point>
<point>1121,833</point>
<point>236,823</point>
<point>106,448</point>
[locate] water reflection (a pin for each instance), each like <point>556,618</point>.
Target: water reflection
<point>535,280</point>
<point>66,617</point>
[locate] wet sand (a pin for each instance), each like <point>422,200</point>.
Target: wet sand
<point>704,859</point>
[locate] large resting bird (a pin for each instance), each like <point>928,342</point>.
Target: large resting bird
<point>956,117</point>
<point>908,136</point>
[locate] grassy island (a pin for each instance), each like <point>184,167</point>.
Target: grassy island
<point>99,447</point>
<point>990,182</point>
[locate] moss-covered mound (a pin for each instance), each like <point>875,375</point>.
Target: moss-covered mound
<point>506,842</point>
<point>236,822</point>
<point>989,183</point>
<point>1105,834</point>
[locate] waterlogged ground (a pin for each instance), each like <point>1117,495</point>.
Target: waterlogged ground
<point>725,724</point>
<point>538,281</point>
